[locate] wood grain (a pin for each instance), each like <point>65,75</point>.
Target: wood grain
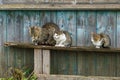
<point>38,61</point>
<point>60,7</point>
<point>46,62</point>
<point>79,48</point>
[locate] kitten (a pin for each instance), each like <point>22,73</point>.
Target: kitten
<point>43,35</point>
<point>63,39</point>
<point>100,40</point>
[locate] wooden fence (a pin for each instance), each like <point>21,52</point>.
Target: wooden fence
<point>14,28</point>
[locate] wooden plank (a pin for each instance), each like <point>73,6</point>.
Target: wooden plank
<point>77,48</point>
<point>118,65</point>
<point>90,64</point>
<point>71,25</point>
<point>118,43</point>
<point>46,61</point>
<point>62,62</point>
<point>18,23</point>
<point>3,52</point>
<point>81,28</point>
<point>26,25</point>
<point>101,22</point>
<point>38,61</point>
<point>112,64</point>
<point>105,1</point>
<point>100,62</point>
<point>61,20</point>
<point>118,30</point>
<point>80,63</point>
<point>44,17</point>
<point>72,63</point>
<point>53,16</point>
<point>60,7</point>
<point>73,77</point>
<point>28,20</point>
<point>34,18</point>
<point>10,33</point>
<point>54,62</point>
<point>56,1</point>
<point>91,26</point>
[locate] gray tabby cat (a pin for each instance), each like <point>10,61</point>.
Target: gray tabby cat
<point>43,35</point>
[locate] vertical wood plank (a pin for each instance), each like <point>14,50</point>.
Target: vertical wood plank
<point>118,30</point>
<point>91,26</point>
<point>46,61</point>
<point>3,52</point>
<point>53,17</point>
<point>38,61</point>
<point>101,21</point>
<point>34,18</point>
<point>61,20</point>
<point>81,27</point>
<point>81,63</point>
<point>90,63</point>
<point>112,64</point>
<point>118,43</point>
<point>62,58</point>
<point>71,28</point>
<point>19,59</point>
<point>72,64</point>
<point>71,25</point>
<point>44,17</point>
<point>10,35</point>
<point>100,65</point>
<point>62,62</point>
<point>27,22</point>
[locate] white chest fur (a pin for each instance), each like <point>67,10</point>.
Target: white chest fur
<point>97,44</point>
<point>60,39</point>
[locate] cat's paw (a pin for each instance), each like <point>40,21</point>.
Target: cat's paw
<point>60,45</point>
<point>35,44</point>
<point>97,47</point>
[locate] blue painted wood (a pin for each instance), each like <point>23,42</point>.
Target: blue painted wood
<point>118,43</point>
<point>81,27</point>
<point>90,26</point>
<point>3,56</point>
<point>14,27</point>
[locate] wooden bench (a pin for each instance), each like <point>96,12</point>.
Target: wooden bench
<point>42,61</point>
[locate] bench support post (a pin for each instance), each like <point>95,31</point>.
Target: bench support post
<point>41,61</point>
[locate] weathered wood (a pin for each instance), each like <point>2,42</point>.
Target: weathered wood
<point>70,18</point>
<point>118,42</point>
<point>81,28</point>
<point>46,61</point>
<point>90,26</point>
<point>38,61</point>
<point>3,56</point>
<point>60,7</point>
<point>78,48</point>
<point>56,1</point>
<point>27,21</point>
<point>73,77</point>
